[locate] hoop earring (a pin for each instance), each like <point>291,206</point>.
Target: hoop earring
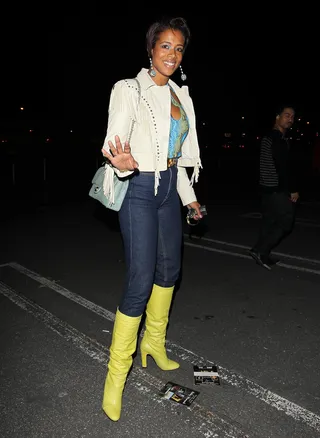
<point>152,72</point>
<point>183,76</point>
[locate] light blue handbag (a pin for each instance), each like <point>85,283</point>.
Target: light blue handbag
<point>120,184</point>
<point>120,190</point>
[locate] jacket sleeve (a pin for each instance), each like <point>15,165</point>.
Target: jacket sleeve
<point>119,119</point>
<point>184,184</point>
<point>184,187</point>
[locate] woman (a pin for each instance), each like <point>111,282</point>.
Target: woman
<point>163,143</point>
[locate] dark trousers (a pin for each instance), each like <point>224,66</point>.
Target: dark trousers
<point>277,221</point>
<point>151,228</point>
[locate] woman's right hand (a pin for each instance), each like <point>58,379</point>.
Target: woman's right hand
<point>120,157</point>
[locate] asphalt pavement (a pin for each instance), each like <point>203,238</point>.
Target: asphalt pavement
<point>61,278</point>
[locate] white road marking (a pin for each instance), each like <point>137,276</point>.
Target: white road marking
<point>299,220</point>
<point>245,247</point>
<point>272,399</point>
<point>211,425</point>
<point>299,268</point>
<point>243,256</point>
<point>220,251</point>
<point>95,308</point>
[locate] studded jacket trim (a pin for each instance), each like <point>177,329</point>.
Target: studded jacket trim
<point>150,136</point>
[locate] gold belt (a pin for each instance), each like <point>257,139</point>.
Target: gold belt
<point>172,162</point>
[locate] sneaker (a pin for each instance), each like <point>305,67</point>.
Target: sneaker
<point>260,259</point>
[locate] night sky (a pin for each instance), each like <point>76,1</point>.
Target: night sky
<point>63,69</point>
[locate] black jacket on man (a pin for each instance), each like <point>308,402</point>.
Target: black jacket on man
<point>278,164</point>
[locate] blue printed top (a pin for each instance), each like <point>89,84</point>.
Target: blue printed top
<point>178,131</point>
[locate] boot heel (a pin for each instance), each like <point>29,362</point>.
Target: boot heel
<point>144,359</point>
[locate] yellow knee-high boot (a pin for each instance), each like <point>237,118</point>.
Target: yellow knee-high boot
<point>153,342</point>
<point>124,343</point>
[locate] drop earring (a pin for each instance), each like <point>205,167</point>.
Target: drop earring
<point>152,71</point>
<point>183,76</point>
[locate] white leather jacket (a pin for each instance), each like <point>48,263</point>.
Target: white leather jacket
<point>150,134</point>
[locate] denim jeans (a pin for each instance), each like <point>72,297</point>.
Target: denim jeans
<point>151,228</point>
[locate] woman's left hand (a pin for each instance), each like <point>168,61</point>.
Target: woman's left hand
<point>196,206</point>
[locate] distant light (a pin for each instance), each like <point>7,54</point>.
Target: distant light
<point>203,123</point>
<point>30,130</point>
<point>308,123</point>
<point>242,118</point>
<point>243,134</point>
<point>299,120</point>
<point>71,130</point>
<point>258,138</point>
<point>48,139</point>
<point>21,108</point>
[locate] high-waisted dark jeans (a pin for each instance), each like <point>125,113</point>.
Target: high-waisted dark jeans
<point>151,227</point>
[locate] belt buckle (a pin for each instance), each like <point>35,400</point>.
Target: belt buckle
<point>172,162</point>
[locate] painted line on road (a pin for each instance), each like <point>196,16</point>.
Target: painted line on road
<point>211,425</point>
<point>46,282</point>
<point>243,256</point>
<point>299,268</point>
<point>245,247</point>
<point>272,399</point>
<point>299,220</point>
<point>219,251</point>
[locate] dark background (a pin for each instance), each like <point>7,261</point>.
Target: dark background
<point>60,69</point>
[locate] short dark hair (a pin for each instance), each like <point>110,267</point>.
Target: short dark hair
<point>160,26</point>
<point>281,108</point>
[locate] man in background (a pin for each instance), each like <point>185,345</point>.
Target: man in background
<point>278,187</point>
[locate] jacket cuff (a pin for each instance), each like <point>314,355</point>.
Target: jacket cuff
<point>184,187</point>
<point>121,174</point>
